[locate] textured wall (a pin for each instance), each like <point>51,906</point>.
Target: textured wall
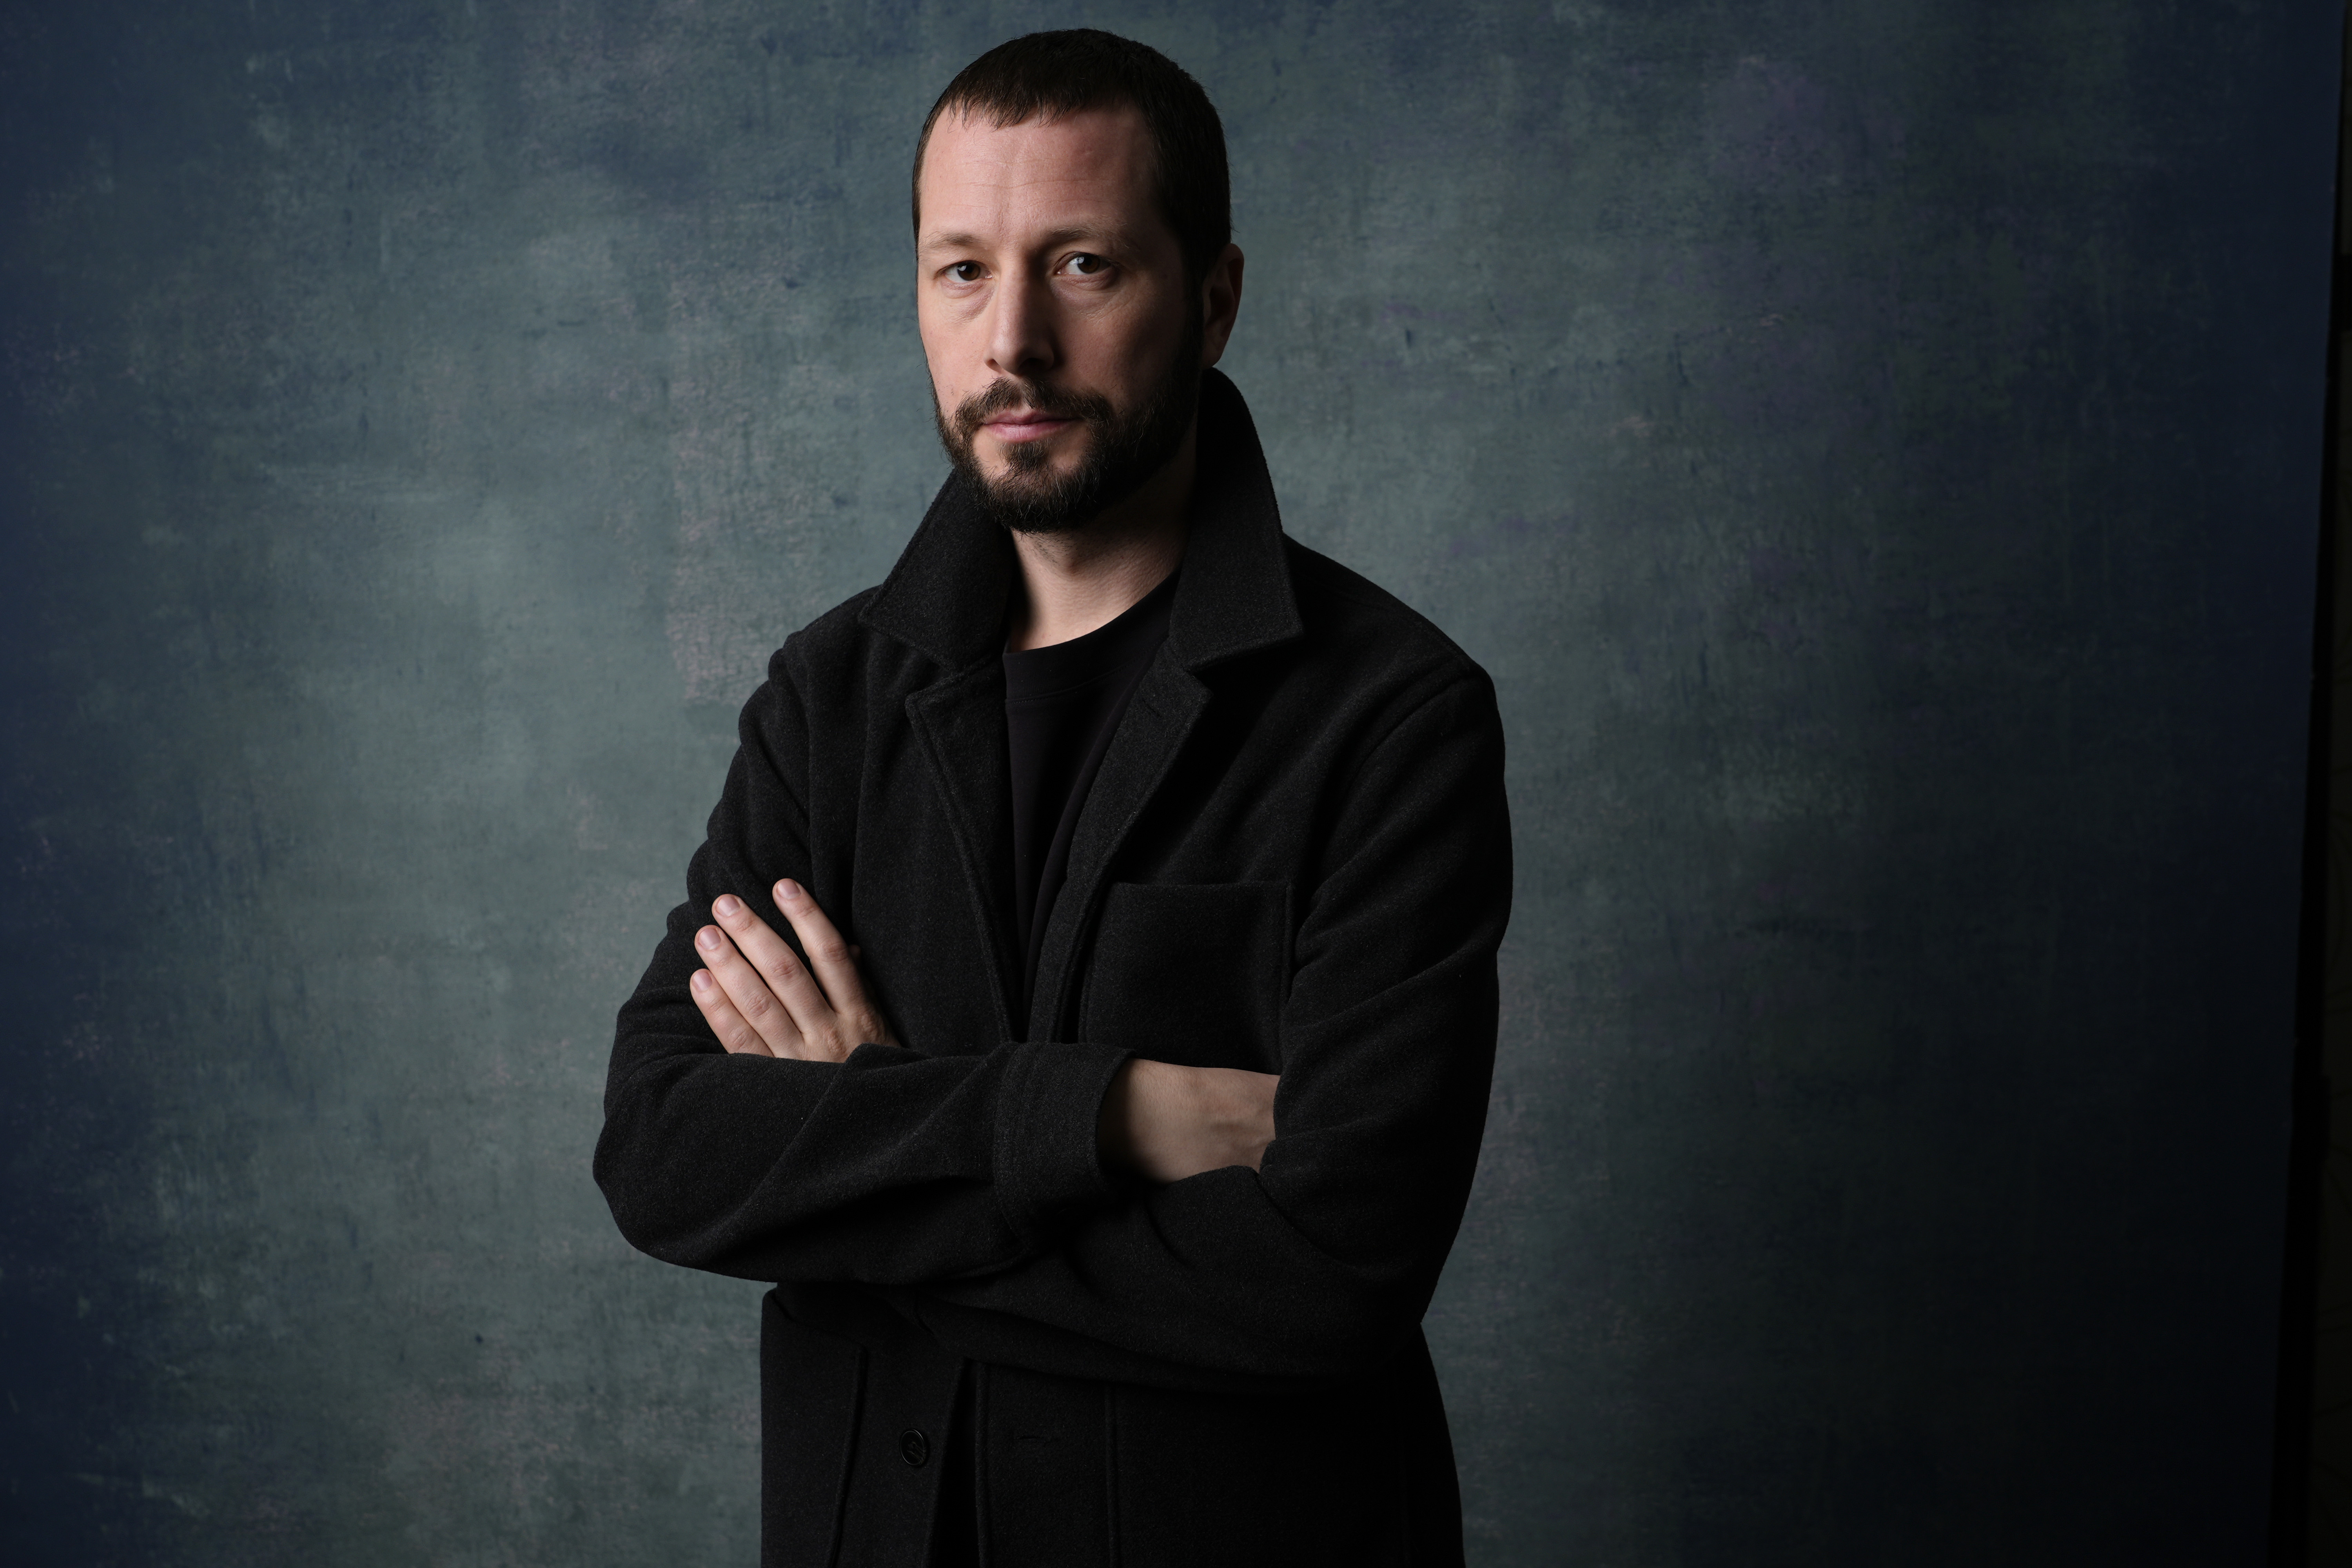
<point>1874,445</point>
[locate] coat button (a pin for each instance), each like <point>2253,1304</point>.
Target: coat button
<point>913,1448</point>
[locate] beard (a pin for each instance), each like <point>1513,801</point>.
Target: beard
<point>1126,447</point>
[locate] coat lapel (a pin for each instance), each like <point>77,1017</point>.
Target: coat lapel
<point>946,599</point>
<point>960,722</point>
<point>1167,703</point>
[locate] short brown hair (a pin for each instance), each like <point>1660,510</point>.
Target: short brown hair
<point>1054,74</point>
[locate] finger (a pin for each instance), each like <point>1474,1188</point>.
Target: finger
<point>739,1037</point>
<point>787,978</point>
<point>833,959</point>
<point>749,992</point>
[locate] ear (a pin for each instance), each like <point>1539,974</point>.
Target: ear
<point>1220,302</point>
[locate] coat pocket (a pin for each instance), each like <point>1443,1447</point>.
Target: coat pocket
<point>1192,974</point>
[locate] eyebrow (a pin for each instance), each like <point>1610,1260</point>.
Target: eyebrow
<point>961,242</point>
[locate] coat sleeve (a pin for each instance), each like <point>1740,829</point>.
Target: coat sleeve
<point>1322,1262</point>
<point>889,1167</point>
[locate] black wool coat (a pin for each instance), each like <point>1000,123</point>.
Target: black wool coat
<point>1296,858</point>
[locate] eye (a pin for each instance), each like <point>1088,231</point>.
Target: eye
<point>963,272</point>
<point>1085,264</point>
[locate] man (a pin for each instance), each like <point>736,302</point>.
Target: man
<point>1084,1003</point>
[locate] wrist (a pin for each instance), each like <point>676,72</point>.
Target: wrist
<point>1167,1122</point>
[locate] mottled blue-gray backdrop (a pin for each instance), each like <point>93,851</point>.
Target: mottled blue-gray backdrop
<point>1874,445</point>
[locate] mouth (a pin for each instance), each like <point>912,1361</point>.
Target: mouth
<point>1018,425</point>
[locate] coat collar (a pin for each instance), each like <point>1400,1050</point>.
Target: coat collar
<point>947,595</point>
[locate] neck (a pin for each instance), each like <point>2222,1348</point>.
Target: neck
<point>1074,583</point>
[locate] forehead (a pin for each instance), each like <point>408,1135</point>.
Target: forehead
<point>1090,168</point>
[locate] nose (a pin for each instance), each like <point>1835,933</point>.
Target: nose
<point>1021,330</point>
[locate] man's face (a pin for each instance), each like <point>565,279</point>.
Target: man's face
<point>1065,348</point>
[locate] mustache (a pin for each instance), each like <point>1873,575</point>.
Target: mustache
<point>1009,392</point>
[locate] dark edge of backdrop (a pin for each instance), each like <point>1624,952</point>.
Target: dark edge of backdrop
<point>2308,1138</point>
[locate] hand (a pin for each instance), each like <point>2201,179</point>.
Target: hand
<point>760,1000</point>
<point>1169,1122</point>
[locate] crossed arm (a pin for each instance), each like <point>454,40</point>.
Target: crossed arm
<point>747,1133</point>
<point>1164,1121</point>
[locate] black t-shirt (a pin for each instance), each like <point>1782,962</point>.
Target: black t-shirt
<point>1062,705</point>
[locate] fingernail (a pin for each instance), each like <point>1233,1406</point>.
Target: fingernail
<point>702,980</point>
<point>707,939</point>
<point>728,905</point>
<point>788,888</point>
